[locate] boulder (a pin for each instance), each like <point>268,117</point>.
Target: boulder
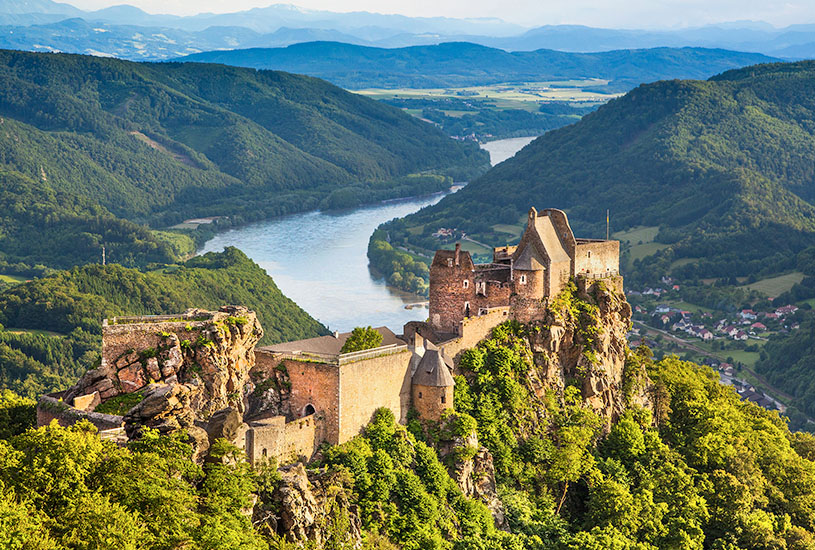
<point>226,424</point>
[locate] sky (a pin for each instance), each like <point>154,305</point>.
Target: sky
<point>529,13</point>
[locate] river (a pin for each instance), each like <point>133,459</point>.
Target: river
<point>319,259</point>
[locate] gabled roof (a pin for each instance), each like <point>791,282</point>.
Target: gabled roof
<point>433,371</point>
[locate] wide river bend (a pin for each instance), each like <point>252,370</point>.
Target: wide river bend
<point>318,259</point>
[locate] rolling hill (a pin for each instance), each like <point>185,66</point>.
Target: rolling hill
<point>457,64</point>
<point>158,143</point>
<point>724,169</point>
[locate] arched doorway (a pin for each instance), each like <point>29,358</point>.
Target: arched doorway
<point>309,409</point>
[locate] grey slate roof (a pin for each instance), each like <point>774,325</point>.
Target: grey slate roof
<point>433,371</point>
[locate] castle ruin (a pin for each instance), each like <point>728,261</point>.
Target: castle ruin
<point>320,394</point>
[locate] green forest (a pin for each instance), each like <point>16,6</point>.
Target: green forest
<point>723,168</point>
<point>53,325</point>
<point>88,142</point>
<point>699,470</point>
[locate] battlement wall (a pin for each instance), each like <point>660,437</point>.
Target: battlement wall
<point>286,442</point>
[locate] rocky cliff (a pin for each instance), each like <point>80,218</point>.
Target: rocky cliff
<point>581,338</point>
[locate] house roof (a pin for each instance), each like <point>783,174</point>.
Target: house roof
<point>433,371</point>
<point>331,344</point>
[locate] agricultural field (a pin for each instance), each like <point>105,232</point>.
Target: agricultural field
<point>775,286</point>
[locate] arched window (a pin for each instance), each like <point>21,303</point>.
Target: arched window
<point>589,253</point>
<point>420,395</point>
<point>523,279</point>
<point>466,309</point>
<point>466,283</point>
<point>264,452</point>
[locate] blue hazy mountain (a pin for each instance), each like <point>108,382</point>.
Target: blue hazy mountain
<point>465,64</point>
<point>40,25</point>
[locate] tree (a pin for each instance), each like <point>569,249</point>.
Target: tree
<point>362,338</point>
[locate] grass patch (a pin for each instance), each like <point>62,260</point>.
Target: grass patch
<point>687,306</point>
<point>634,236</point>
<point>14,279</point>
<point>475,248</point>
<point>640,251</point>
<point>514,230</point>
<point>120,404</point>
<point>775,286</point>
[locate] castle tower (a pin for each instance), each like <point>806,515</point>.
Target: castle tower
<point>452,289</point>
<point>432,386</point>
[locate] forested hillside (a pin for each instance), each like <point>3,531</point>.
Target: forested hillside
<point>704,470</point>
<point>158,143</point>
<point>724,169</point>
<point>456,64</point>
<point>53,325</point>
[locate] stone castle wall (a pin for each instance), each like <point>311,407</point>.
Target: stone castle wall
<point>471,331</point>
<point>597,258</point>
<point>448,291</point>
<point>317,385</point>
<point>367,385</point>
<point>51,407</point>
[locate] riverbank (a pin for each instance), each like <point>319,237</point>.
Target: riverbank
<point>319,260</point>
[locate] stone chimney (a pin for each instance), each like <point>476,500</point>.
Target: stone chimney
<point>458,252</point>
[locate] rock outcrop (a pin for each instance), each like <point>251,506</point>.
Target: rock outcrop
<point>586,343</point>
<point>187,368</point>
<point>471,466</point>
<point>309,504</point>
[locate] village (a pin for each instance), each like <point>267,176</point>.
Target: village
<point>728,341</point>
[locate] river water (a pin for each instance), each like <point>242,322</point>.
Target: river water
<point>318,259</point>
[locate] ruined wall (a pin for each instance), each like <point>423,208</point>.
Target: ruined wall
<point>490,294</point>
<point>369,384</point>
<point>597,258</point>
<point>50,407</point>
<point>318,385</point>
<point>301,437</point>
<point>286,442</point>
<point>564,230</point>
<point>264,440</point>
<point>530,284</point>
<point>431,401</point>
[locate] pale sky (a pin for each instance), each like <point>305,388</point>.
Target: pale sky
<point>598,13</point>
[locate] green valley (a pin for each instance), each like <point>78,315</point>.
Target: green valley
<point>93,139</point>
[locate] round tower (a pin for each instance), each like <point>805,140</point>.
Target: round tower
<point>432,387</point>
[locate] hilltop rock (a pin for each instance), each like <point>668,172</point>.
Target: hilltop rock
<point>562,351</point>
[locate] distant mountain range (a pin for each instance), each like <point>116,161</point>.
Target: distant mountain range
<point>128,32</point>
<point>465,64</point>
